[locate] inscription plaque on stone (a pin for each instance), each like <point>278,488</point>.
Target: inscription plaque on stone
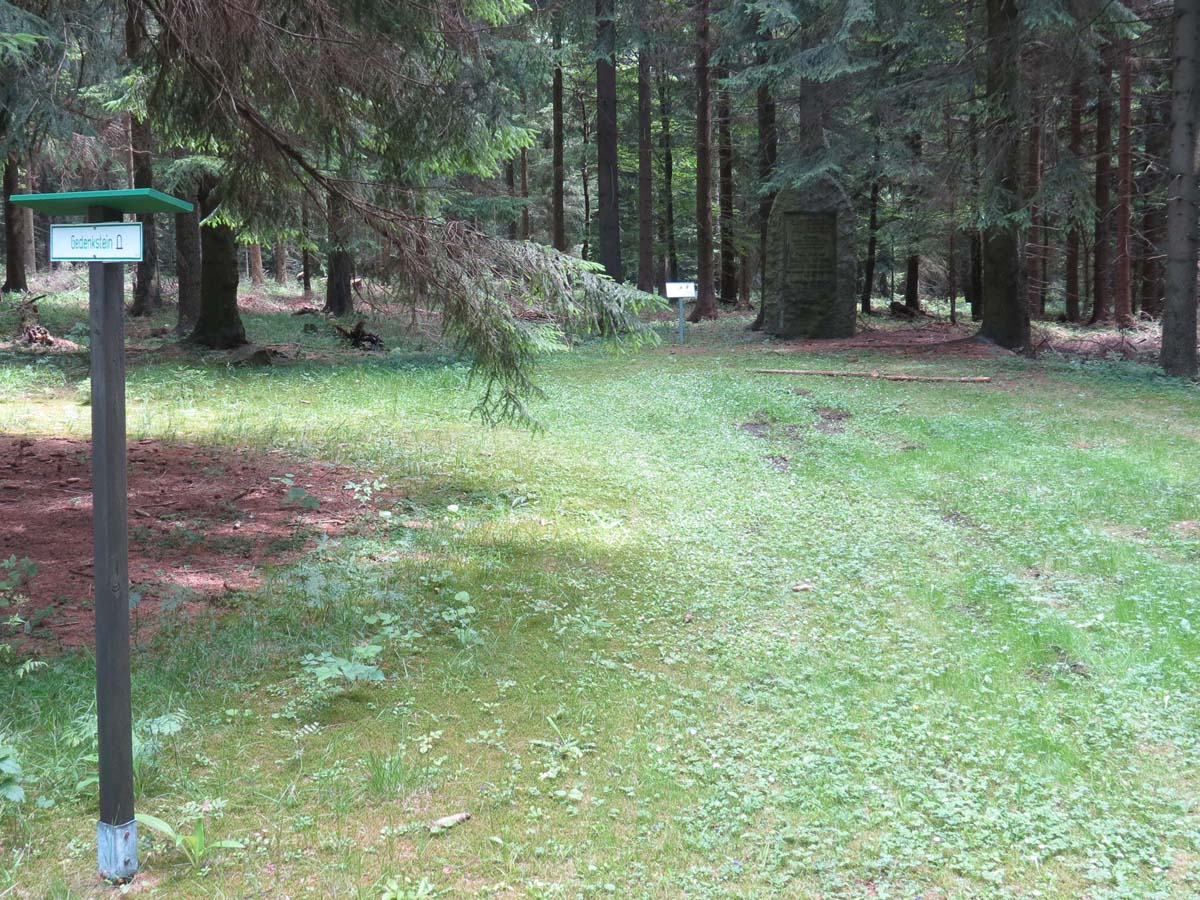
<point>810,242</point>
<point>808,284</point>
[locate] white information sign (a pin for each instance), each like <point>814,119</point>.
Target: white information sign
<point>681,290</point>
<point>102,242</point>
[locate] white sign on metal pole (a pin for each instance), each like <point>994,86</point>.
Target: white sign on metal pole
<point>106,242</point>
<point>681,290</point>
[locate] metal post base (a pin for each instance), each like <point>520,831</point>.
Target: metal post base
<point>116,851</point>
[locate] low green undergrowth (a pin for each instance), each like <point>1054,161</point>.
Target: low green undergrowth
<point>707,634</point>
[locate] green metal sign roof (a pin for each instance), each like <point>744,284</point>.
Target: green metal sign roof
<point>77,203</point>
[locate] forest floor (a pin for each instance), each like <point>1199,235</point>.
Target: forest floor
<point>706,634</point>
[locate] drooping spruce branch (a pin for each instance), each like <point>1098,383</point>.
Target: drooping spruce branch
<point>277,89</point>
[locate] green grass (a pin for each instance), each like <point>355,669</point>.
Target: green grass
<point>989,691</point>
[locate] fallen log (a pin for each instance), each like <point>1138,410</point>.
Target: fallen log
<point>966,379</point>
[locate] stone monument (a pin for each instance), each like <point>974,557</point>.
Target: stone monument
<point>810,272</point>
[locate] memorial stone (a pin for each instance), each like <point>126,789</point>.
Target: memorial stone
<point>809,276</point>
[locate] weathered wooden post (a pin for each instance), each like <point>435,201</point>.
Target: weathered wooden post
<point>106,243</point>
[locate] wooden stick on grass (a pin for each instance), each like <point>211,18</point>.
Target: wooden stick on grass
<point>966,379</point>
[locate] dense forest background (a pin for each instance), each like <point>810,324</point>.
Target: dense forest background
<point>1016,155</point>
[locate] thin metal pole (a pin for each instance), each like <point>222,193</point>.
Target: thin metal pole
<point>681,320</point>
<point>116,831</point>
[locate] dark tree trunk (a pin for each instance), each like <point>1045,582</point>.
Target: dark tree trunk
<point>952,243</point>
<point>558,224</point>
<point>219,325</point>
<point>768,153</point>
<point>147,292</point>
<point>952,275</point>
<point>1154,219</point>
<point>1005,314</point>
<point>976,276</point>
<point>1100,252</point>
<point>31,262</point>
<point>15,278</point>
<point>645,277</point>
<point>585,176</point>
<point>706,306</point>
<point>912,287</point>
<point>729,252</point>
<point>608,214</point>
<point>1123,283</point>
<point>974,237</point>
<point>1178,355</point>
<point>1076,149</point>
<point>339,301</point>
<point>258,276</point>
<point>305,254</point>
<point>1034,293</point>
<point>670,247</point>
<point>525,233</point>
<point>187,270</point>
<point>872,236</point>
<point>281,262</point>
<point>510,186</point>
<point>744,281</point>
<point>912,277</point>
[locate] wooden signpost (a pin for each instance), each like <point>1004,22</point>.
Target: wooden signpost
<point>106,247</point>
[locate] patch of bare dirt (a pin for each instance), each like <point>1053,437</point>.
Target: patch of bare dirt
<point>940,338</point>
<point>757,429</point>
<point>202,522</point>
<point>781,463</point>
<point>830,419</point>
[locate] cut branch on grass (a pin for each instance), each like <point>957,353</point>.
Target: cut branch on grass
<point>885,376</point>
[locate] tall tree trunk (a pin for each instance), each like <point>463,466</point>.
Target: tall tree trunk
<point>1123,286</point>
<point>15,278</point>
<point>258,276</point>
<point>1100,254</point>
<point>670,246</point>
<point>1154,219</point>
<point>912,277</point>
<point>1178,355</point>
<point>510,187</point>
<point>744,280</point>
<point>585,176</point>
<point>525,232</point>
<point>281,276</point>
<point>974,237</point>
<point>187,269</point>
<point>147,292</point>
<point>768,153</point>
<point>31,265</point>
<point>1034,291</point>
<point>872,234</point>
<point>1076,149</point>
<point>976,275</point>
<point>339,301</point>
<point>1005,314</point>
<point>729,252</point>
<point>645,278</point>
<point>219,325</point>
<point>951,246</point>
<point>558,223</point>
<point>607,177</point>
<point>305,253</point>
<point>912,286</point>
<point>706,306</point>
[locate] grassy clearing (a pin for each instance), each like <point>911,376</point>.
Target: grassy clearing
<point>594,643</point>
